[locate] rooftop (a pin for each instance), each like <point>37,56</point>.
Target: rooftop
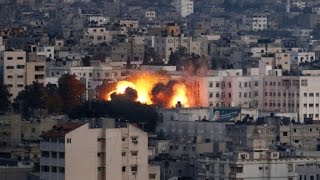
<point>61,130</point>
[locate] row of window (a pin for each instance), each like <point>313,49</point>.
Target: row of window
<point>134,168</point>
<point>52,169</point>
<point>133,153</point>
<point>18,58</point>
<point>18,85</point>
<point>245,95</point>
<point>274,94</point>
<point>244,84</point>
<point>53,154</point>
<point>283,83</point>
<point>18,67</point>
<point>18,76</point>
<point>60,140</point>
<point>273,104</point>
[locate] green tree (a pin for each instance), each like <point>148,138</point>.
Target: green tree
<point>71,91</point>
<point>121,109</point>
<point>32,97</point>
<point>4,98</point>
<point>53,101</point>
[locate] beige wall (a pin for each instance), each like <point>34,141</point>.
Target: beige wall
<point>81,154</point>
<point>14,63</point>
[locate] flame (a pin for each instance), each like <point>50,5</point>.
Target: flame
<point>179,95</point>
<point>144,84</point>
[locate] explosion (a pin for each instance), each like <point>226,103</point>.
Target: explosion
<point>150,88</point>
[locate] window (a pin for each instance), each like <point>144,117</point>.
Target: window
<point>134,168</point>
<point>123,139</point>
<point>54,154</point>
<point>20,58</point>
<point>45,168</point>
<point>260,168</point>
<point>54,169</point>
<point>45,154</point>
<point>123,153</point>
<point>134,153</point>
<point>20,85</point>
<point>217,84</point>
<point>33,130</point>
<point>69,140</point>
<point>210,85</point>
<point>9,58</point>
<point>290,167</point>
<point>61,155</point>
<point>152,176</point>
<point>20,76</point>
<point>123,169</point>
<point>61,170</point>
<point>20,66</point>
<point>9,67</point>
<point>9,76</point>
<point>285,133</point>
<point>134,140</point>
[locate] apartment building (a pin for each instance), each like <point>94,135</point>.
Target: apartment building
<point>47,51</point>
<point>256,164</point>
<point>229,90</point>
<point>184,7</point>
<point>164,46</point>
<point>96,35</point>
<point>130,50</point>
<point>77,151</point>
<point>13,66</point>
<point>259,23</point>
<point>150,15</point>
<point>36,68</point>
<point>272,131</point>
<point>292,94</point>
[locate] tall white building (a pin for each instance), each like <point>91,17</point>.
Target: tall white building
<point>13,68</point>
<point>77,151</point>
<point>184,7</point>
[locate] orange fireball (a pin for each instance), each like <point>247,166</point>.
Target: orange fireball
<point>144,83</point>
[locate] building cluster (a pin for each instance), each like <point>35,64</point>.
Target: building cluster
<point>252,69</point>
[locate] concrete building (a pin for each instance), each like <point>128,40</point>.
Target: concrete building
<point>150,15</point>
<point>47,51</point>
<point>128,52</point>
<point>106,153</point>
<point>15,170</point>
<point>96,35</point>
<point>259,23</point>
<point>309,171</point>
<point>164,46</point>
<point>184,7</point>
<point>10,131</point>
<point>272,131</point>
<point>36,68</point>
<point>13,66</point>
<point>256,164</point>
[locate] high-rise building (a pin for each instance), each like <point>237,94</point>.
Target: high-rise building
<point>77,151</point>
<point>13,67</point>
